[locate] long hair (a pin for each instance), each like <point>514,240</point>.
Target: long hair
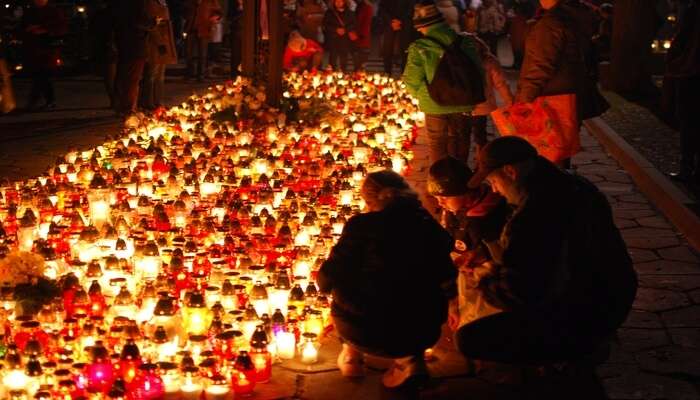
<point>382,188</point>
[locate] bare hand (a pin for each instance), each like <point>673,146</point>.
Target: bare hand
<point>352,36</point>
<point>340,31</point>
<point>396,24</point>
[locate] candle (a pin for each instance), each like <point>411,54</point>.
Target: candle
<point>309,354</point>
<point>218,392</point>
<point>191,391</point>
<point>286,344</point>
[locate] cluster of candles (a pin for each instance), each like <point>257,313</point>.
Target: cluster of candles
<point>188,247</point>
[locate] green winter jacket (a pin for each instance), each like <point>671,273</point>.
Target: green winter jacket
<point>423,58</point>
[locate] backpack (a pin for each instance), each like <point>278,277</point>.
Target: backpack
<point>458,80</point>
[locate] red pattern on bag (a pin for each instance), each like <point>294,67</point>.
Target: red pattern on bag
<point>549,123</point>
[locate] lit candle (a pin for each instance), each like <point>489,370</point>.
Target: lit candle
<point>218,392</point>
<point>309,354</point>
<point>286,345</point>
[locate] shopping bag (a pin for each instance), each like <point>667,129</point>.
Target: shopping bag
<point>472,304</point>
<point>549,123</point>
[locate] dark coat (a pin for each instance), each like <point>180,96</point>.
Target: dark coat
<point>557,48</point>
<point>388,274</point>
<point>160,47</point>
<point>42,50</point>
<point>198,14</point>
<point>395,9</point>
<point>101,30</point>
<point>309,17</point>
<point>335,19</point>
<point>131,27</point>
<point>561,255</point>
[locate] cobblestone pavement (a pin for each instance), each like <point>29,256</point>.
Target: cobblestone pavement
<point>650,136</point>
<point>656,352</point>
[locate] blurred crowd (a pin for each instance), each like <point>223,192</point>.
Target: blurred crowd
<point>130,42</point>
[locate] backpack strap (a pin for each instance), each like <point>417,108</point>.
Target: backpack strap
<point>432,39</point>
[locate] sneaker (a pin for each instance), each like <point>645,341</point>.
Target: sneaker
<point>405,371</point>
<point>350,362</point>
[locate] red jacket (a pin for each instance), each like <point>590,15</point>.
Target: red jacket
<point>289,55</point>
<point>363,25</point>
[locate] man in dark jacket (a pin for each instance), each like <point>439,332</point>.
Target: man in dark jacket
<point>556,49</point>
<point>394,16</point>
<point>563,277</point>
<point>131,27</point>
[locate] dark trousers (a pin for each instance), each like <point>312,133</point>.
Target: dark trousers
<point>360,58</point>
<point>42,86</point>
<point>475,127</point>
<point>491,39</point>
<point>152,85</point>
<point>393,45</point>
<point>339,50</point>
<point>197,56</point>
<point>236,46</point>
<point>446,135</point>
<point>126,87</point>
<point>687,99</point>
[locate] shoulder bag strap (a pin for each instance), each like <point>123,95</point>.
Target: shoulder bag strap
<point>337,16</point>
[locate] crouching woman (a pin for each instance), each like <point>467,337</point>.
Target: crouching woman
<point>391,277</point>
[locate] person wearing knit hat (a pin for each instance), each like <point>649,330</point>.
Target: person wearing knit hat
<point>472,216</point>
<point>444,123</point>
<point>301,53</point>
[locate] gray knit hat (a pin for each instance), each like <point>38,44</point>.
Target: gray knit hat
<point>426,14</point>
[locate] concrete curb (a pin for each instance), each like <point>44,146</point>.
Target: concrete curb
<point>670,200</point>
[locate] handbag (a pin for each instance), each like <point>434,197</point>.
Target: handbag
<point>549,123</point>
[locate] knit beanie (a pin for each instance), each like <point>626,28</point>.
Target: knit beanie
<point>449,177</point>
<point>426,14</point>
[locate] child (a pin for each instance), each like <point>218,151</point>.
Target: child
<point>301,53</point>
<point>339,27</point>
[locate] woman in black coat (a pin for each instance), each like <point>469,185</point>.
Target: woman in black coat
<point>391,277</point>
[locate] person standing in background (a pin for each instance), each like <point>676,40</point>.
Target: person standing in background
<point>339,32</point>
<point>363,43</point>
<point>131,27</point>
<point>235,19</point>
<point>200,17</point>
<point>522,12</point>
<point>42,26</point>
<point>683,72</point>
<point>104,48</point>
<point>309,19</point>
<point>176,9</point>
<point>160,52</point>
<point>492,22</point>
<point>395,18</point>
